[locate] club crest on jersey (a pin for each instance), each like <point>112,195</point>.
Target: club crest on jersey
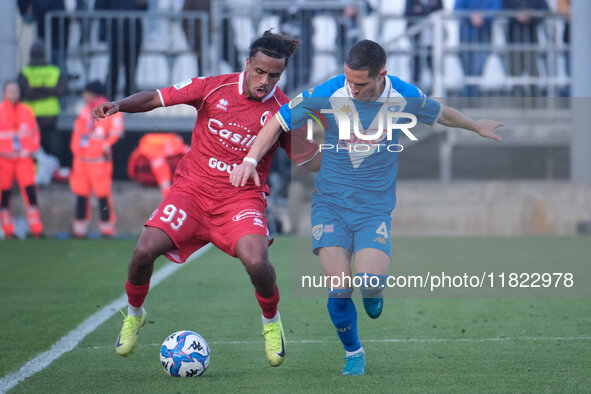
<point>154,213</point>
<point>247,213</point>
<point>265,117</point>
<point>223,104</point>
<point>317,231</point>
<point>180,85</point>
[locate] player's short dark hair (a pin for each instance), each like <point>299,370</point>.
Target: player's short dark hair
<point>366,55</point>
<point>279,46</point>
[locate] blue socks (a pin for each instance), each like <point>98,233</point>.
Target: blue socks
<point>344,317</point>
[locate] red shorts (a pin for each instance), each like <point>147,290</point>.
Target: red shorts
<point>192,221</point>
<point>23,169</point>
<point>91,177</point>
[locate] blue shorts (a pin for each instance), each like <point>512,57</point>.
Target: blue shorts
<point>350,230</point>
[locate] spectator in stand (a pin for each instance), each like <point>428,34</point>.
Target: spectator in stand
<point>35,11</point>
<point>192,28</point>
<point>124,36</point>
<point>475,29</point>
<point>423,42</point>
<point>563,7</point>
<point>523,29</point>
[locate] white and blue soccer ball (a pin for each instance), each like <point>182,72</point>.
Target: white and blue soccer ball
<point>184,354</point>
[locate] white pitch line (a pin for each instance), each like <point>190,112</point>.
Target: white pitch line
<point>386,340</point>
<point>71,339</point>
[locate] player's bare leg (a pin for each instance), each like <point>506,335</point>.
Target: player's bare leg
<point>152,243</point>
<point>253,252</point>
<point>372,266</point>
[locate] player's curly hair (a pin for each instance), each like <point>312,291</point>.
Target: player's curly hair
<point>279,46</point>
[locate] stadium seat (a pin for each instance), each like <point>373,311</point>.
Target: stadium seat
<point>243,33</point>
<point>451,33</point>
<point>499,37</point>
<point>392,7</point>
<point>269,22</point>
<point>325,33</point>
<point>76,74</point>
<point>184,67</point>
<point>399,65</point>
<point>324,65</point>
<point>392,29</point>
<point>165,5</point>
<point>177,38</point>
<point>99,64</point>
<point>324,62</point>
<point>369,25</point>
<point>493,74</point>
<point>152,72</point>
<point>453,74</point>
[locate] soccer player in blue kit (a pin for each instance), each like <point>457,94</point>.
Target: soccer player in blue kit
<point>355,190</point>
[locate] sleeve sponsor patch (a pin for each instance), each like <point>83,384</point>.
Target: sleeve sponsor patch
<point>180,85</point>
<point>297,100</point>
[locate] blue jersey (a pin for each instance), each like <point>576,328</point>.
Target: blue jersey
<point>357,173</point>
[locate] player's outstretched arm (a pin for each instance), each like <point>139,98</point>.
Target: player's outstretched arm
<point>139,102</point>
<point>451,117</point>
<point>264,141</point>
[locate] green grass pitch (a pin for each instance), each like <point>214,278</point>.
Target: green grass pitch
<point>438,344</point>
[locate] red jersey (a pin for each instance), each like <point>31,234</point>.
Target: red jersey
<point>226,127</point>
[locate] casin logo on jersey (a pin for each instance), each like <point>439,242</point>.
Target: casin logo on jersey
<point>247,213</point>
<point>230,139</point>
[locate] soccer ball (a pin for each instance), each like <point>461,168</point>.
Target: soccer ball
<point>184,354</point>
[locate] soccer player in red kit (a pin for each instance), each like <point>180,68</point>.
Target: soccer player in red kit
<point>202,206</point>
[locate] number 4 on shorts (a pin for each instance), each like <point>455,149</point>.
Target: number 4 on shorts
<point>382,230</point>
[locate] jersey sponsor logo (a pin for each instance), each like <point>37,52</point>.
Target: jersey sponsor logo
<point>220,165</point>
<point>247,213</point>
<point>242,141</point>
<point>317,231</point>
<point>182,84</point>
<point>329,228</point>
<point>223,104</point>
<point>265,117</point>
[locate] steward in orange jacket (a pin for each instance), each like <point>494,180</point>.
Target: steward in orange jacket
<point>92,168</point>
<point>19,139</point>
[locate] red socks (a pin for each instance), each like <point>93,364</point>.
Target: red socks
<point>268,305</point>
<point>136,294</point>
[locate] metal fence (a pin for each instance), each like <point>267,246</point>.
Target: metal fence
<point>503,60</point>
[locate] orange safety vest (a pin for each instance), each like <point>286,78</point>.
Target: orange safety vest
<point>19,132</point>
<point>91,142</point>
